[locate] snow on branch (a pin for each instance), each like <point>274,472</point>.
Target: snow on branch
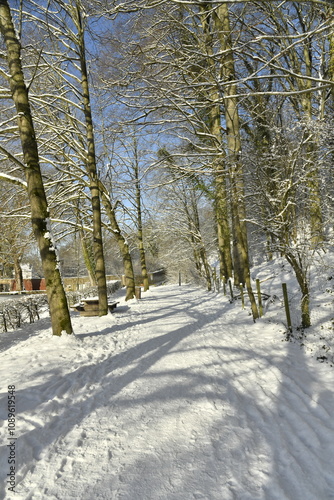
<point>13,180</point>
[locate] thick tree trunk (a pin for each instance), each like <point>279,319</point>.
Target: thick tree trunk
<point>100,272</point>
<point>60,317</point>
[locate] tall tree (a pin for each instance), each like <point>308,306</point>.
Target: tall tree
<point>139,216</point>
<point>91,165</point>
<point>71,137</point>
<point>59,312</point>
<point>228,74</point>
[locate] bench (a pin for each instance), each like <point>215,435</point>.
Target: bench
<point>90,307</point>
<point>112,306</point>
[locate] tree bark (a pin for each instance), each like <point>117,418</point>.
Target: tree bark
<point>215,126</point>
<point>100,272</point>
<point>301,275</point>
<point>88,259</point>
<point>240,240</point>
<point>122,244</point>
<point>59,312</point>
<point>330,15</point>
<point>18,274</point>
<point>313,184</point>
<point>140,223</point>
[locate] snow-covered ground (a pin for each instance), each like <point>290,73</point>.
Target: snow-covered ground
<point>178,396</point>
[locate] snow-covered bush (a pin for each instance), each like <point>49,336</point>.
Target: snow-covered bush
<point>16,312</point>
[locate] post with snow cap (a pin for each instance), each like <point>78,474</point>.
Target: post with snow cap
<point>231,289</point>
<point>286,305</point>
<point>258,288</point>
<point>242,295</point>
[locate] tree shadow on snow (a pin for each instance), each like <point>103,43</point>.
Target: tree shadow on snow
<point>245,447</point>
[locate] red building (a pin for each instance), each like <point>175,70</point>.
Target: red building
<point>30,284</point>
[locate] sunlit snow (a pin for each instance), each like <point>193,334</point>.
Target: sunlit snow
<point>177,396</point>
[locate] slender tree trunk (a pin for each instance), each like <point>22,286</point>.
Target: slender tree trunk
<point>200,256</point>
<point>242,274</point>
<point>59,312</point>
<point>197,257</point>
<point>314,197</point>
<point>330,15</point>
<point>223,226</point>
<point>200,244</point>
<point>122,244</point>
<point>140,223</point>
<point>313,184</point>
<point>93,175</point>
<point>215,126</point>
<point>301,275</point>
<point>18,274</point>
<point>207,272</point>
<point>89,263</point>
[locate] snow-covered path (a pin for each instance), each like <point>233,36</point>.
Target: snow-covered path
<point>178,396</point>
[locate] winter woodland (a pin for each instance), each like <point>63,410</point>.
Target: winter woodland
<point>191,137</point>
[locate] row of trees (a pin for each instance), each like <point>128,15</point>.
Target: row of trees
<point>216,114</point>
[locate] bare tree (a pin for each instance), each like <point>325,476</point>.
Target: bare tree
<point>60,317</point>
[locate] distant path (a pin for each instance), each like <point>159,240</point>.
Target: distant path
<point>176,397</point>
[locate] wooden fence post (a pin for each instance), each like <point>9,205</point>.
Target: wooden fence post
<point>231,289</point>
<point>179,278</point>
<point>242,296</point>
<point>259,297</point>
<point>286,305</point>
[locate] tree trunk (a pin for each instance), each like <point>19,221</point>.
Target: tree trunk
<point>100,272</point>
<point>330,15</point>
<point>143,262</point>
<point>242,273</point>
<point>59,312</point>
<point>122,244</point>
<point>313,184</point>
<point>140,223</point>
<point>314,197</point>
<point>301,275</point>
<point>207,271</point>
<point>18,274</point>
<point>223,227</point>
<point>215,126</point>
<point>200,244</point>
<point>87,258</point>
